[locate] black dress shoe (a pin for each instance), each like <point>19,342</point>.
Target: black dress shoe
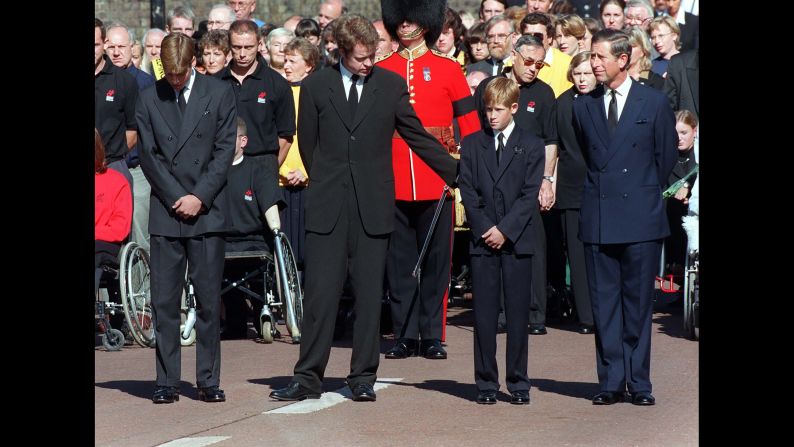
<point>586,329</point>
<point>432,349</point>
<point>211,394</point>
<point>404,348</point>
<point>165,394</point>
<point>294,391</point>
<point>643,399</point>
<point>520,397</point>
<point>537,329</point>
<point>363,392</point>
<point>486,397</point>
<point>607,398</point>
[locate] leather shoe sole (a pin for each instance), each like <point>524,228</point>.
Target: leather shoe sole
<point>586,329</point>
<point>165,396</point>
<point>644,399</point>
<point>211,394</point>
<point>293,392</point>
<point>537,330</point>
<point>401,350</point>
<point>363,393</point>
<point>486,397</point>
<point>607,398</point>
<point>519,398</point>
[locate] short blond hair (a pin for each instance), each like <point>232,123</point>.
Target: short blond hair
<point>501,92</point>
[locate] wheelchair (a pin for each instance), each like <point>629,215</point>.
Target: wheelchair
<point>128,282</point>
<point>282,294</point>
<point>692,280</point>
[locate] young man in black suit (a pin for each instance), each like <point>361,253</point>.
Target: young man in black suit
<point>345,143</point>
<point>500,174</point>
<point>627,131</point>
<point>187,126</point>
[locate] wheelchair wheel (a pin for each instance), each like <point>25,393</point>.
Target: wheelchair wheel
<point>289,287</point>
<point>113,340</point>
<point>691,299</point>
<point>136,295</point>
<point>266,330</point>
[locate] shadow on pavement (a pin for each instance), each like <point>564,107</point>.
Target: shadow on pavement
<point>329,383</point>
<point>466,391</point>
<point>145,388</point>
<point>580,390</point>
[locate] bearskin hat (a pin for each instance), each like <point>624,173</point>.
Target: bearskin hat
<point>429,14</point>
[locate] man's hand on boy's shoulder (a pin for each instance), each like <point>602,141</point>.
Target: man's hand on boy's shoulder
<point>494,238</point>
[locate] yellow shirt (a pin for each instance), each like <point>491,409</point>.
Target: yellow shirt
<point>555,72</point>
<point>293,159</point>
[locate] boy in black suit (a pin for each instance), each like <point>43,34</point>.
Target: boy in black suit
<point>500,173</point>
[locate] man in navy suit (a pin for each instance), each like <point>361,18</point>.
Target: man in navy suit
<point>500,173</point>
<point>627,132</point>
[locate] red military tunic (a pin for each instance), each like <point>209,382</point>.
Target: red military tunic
<point>439,92</point>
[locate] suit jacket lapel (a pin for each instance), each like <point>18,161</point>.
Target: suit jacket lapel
<point>598,115</point>
<point>167,105</point>
<point>367,100</point>
<point>488,154</point>
<point>339,99</point>
<point>511,145</point>
<point>196,108</point>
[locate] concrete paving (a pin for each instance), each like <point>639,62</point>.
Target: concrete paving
<point>428,403</point>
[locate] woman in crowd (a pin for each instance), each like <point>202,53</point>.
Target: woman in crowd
<point>677,205</point>
<point>570,33</point>
<point>215,50</point>
<point>301,59</point>
<point>612,14</point>
<point>666,38</point>
<point>112,210</point>
<point>640,64</point>
<point>571,171</point>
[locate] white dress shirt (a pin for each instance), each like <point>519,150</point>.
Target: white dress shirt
<point>507,131</point>
<point>621,93</point>
<point>188,87</point>
<point>347,81</point>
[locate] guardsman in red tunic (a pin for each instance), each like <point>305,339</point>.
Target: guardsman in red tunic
<point>439,93</point>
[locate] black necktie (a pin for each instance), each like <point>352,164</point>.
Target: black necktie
<point>499,66</point>
<point>612,118</point>
<point>500,148</point>
<point>352,97</point>
<point>181,101</point>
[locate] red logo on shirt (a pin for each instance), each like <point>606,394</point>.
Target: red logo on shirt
<point>531,104</point>
<point>261,99</point>
<point>249,195</point>
<point>262,94</point>
<point>110,92</point>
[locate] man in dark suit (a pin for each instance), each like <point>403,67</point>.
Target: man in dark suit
<point>627,131</point>
<point>682,82</point>
<point>346,146</point>
<point>187,123</point>
<point>689,24</point>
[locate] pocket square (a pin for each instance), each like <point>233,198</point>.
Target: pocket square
<point>641,121</point>
<point>518,150</point>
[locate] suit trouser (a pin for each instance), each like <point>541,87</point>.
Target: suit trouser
<point>575,251</point>
<point>537,309</point>
<point>141,193</point>
<point>328,259</point>
<point>621,280</point>
<point>487,274</point>
<point>205,258</point>
<point>419,316</point>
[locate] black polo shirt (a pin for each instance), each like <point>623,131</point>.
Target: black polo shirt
<point>115,95</point>
<point>537,109</point>
<point>265,103</point>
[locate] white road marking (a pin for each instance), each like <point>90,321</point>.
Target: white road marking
<point>328,399</point>
<point>195,442</point>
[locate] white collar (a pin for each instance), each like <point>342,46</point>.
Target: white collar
<point>507,132</point>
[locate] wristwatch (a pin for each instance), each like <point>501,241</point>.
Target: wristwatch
<point>550,178</point>
<point>686,185</point>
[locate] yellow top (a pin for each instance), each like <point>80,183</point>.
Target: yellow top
<point>293,159</point>
<point>556,73</point>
